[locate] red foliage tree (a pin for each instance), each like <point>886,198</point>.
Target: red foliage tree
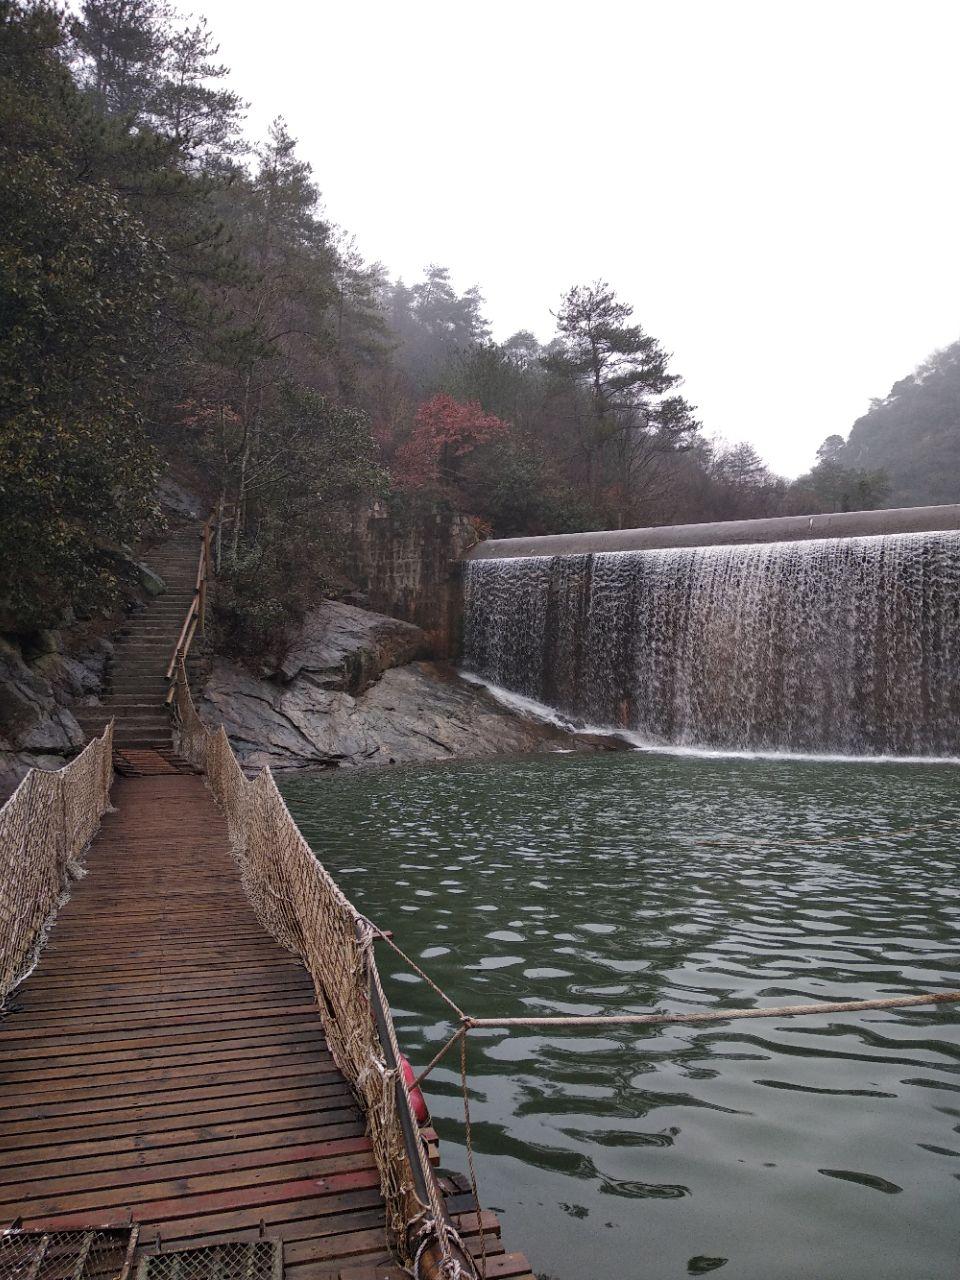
<point>444,432</point>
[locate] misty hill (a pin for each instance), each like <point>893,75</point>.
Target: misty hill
<point>914,434</point>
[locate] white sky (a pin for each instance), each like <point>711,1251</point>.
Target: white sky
<point>773,184</point>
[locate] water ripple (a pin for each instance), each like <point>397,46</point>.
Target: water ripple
<point>574,884</point>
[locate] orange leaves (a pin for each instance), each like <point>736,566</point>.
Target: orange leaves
<point>444,431</point>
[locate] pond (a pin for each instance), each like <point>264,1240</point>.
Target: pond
<point>816,1147</point>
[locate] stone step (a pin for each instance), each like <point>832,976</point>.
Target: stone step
<point>158,629</point>
<point>160,719</point>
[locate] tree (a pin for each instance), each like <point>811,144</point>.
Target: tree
<point>80,282</point>
<point>433,323</point>
<point>444,433</point>
<point>121,44</point>
<point>832,485</point>
<point>913,433</point>
<point>137,65</point>
<point>315,460</point>
<point>200,118</point>
<point>625,375</point>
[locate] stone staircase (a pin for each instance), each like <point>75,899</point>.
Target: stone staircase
<point>136,687</point>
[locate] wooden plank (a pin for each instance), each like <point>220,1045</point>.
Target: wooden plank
<point>115,1164</point>
<point>337,1157</point>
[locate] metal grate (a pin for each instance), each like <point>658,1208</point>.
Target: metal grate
<point>67,1255</point>
<point>229,1260</point>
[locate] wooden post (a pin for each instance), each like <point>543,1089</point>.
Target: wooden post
<point>206,575</point>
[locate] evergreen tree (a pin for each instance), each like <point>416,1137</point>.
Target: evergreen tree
<point>623,373</point>
<point>81,286</point>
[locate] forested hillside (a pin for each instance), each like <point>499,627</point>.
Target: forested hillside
<point>175,296</point>
<point>914,434</point>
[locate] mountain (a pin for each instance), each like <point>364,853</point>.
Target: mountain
<point>914,434</point>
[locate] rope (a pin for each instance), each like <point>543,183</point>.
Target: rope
<point>718,1015</point>
<point>44,828</point>
<point>468,1024</point>
<point>301,905</point>
<point>461,1031</point>
<point>383,937</point>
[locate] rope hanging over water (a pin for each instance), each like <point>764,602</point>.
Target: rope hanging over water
<point>698,1017</point>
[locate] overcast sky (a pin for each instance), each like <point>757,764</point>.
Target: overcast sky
<point>773,185</point>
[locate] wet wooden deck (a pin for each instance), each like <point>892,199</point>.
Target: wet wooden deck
<point>165,1063</point>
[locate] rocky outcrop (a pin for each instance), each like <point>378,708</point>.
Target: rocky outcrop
<point>349,694</point>
<point>37,728</point>
<point>419,712</point>
<point>179,502</point>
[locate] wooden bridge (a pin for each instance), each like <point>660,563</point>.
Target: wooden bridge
<point>167,1063</point>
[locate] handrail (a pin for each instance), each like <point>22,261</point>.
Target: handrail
<point>196,612</point>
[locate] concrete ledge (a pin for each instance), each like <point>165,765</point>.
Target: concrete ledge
<point>845,524</point>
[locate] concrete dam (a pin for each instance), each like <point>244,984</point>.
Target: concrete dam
<point>826,634</point>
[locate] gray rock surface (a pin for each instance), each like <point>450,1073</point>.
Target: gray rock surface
<point>36,728</point>
<point>419,712</point>
<point>343,647</point>
<point>151,582</point>
<point>178,501</point>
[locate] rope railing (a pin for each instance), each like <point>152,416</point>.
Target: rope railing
<point>44,828</point>
<point>301,905</point>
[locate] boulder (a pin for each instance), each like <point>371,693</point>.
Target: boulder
<point>342,647</point>
<point>178,501</point>
<point>75,676</point>
<point>37,729</point>
<point>151,582</point>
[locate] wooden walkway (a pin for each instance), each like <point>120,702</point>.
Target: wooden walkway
<point>165,1062</point>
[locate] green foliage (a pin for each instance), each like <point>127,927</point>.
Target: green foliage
<point>136,66</point>
<point>433,325</point>
<point>80,284</point>
<point>313,462</point>
<point>832,486</point>
<point>513,487</point>
<point>913,434</point>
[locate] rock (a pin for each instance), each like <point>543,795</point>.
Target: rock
<point>24,696</point>
<point>342,647</point>
<point>75,677</point>
<point>36,726</point>
<point>14,766</point>
<point>151,582</point>
<point>57,732</point>
<point>47,642</point>
<point>419,712</point>
<point>179,501</point>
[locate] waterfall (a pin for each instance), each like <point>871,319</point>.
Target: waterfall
<point>847,645</point>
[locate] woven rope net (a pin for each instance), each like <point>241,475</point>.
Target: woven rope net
<point>301,905</point>
<point>44,828</point>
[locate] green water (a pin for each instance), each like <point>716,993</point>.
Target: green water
<point>826,1147</point>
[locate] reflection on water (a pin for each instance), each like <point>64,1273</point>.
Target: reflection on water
<point>827,1147</point>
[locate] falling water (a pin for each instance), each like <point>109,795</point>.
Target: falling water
<point>848,645</point>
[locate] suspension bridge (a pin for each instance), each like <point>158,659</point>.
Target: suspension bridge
<point>199,1073</point>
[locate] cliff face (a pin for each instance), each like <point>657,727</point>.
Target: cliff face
<point>37,689</point>
<point>351,693</point>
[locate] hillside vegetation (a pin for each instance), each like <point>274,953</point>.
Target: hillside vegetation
<point>171,292</point>
<point>913,434</point>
